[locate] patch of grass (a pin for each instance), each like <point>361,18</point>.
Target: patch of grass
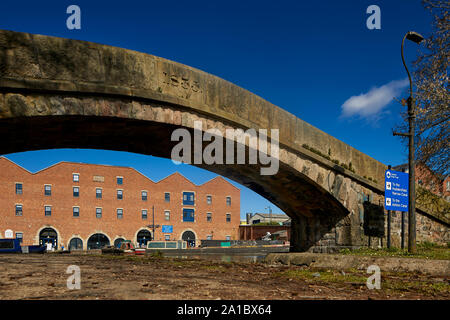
<point>425,250</point>
<point>432,288</point>
<point>214,267</point>
<point>156,254</point>
<point>325,276</point>
<point>400,284</point>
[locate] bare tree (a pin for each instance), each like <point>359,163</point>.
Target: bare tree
<point>432,92</point>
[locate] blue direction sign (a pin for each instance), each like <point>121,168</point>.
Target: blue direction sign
<point>396,190</point>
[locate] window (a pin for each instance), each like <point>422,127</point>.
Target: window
<point>228,238</point>
<point>167,215</point>
<point>76,211</point>
<point>228,201</point>
<point>208,199</point>
<point>98,212</point>
<point>119,213</point>
<point>19,235</point>
<point>448,185</point>
<point>144,214</point>
<point>76,177</point>
<point>47,190</point>
<point>144,195</point>
<point>98,193</point>
<point>188,198</point>
<point>167,237</point>
<point>228,217</point>
<point>209,237</point>
<point>119,194</point>
<point>209,216</point>
<point>188,215</point>
<point>19,189</point>
<point>76,192</point>
<point>18,210</point>
<point>167,196</point>
<point>48,210</point>
<point>119,180</point>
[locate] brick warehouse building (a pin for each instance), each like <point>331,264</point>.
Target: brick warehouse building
<point>85,206</point>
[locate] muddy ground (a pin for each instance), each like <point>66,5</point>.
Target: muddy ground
<point>43,276</point>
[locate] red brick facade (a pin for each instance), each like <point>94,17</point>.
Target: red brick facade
<point>32,219</point>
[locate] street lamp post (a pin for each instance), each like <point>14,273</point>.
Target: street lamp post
<point>417,38</point>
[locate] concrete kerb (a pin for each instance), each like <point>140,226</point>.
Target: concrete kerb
<point>345,262</point>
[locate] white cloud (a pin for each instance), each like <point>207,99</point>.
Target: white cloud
<point>371,104</point>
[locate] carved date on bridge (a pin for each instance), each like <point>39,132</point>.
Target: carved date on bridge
<point>181,82</point>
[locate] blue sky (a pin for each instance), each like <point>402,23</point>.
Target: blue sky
<point>316,59</point>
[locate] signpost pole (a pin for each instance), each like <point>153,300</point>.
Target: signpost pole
<point>403,230</point>
<point>389,229</point>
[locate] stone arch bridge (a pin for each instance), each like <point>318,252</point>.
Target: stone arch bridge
<point>61,93</point>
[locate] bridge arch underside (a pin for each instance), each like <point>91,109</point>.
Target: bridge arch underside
<point>323,204</point>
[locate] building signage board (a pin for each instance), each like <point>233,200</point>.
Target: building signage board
<point>396,190</point>
<point>167,229</point>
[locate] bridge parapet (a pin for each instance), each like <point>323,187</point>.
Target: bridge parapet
<point>37,62</point>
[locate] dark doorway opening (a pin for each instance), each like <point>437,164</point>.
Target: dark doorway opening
<point>48,235</point>
<point>189,237</point>
<point>143,237</point>
<point>76,244</point>
<point>97,241</point>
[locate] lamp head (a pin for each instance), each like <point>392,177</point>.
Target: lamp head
<point>414,37</point>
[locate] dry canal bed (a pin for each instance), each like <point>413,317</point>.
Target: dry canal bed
<point>117,277</point>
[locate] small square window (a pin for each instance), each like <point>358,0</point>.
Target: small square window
<point>144,214</point>
<point>167,197</point>
<point>76,177</point>
<point>119,213</point>
<point>167,237</point>
<point>167,215</point>
<point>188,215</point>
<point>19,188</point>
<point>208,199</point>
<point>98,212</point>
<point>19,211</point>
<point>209,237</point>
<point>47,190</point>
<point>119,194</point>
<point>228,217</point>
<point>76,192</point>
<point>119,180</point>
<point>188,198</point>
<point>209,216</point>
<point>228,238</point>
<point>98,193</point>
<point>48,210</point>
<point>144,195</point>
<point>76,211</point>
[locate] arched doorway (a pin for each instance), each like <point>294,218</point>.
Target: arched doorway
<point>143,237</point>
<point>189,237</point>
<point>48,235</point>
<point>118,241</point>
<point>97,241</point>
<point>76,244</point>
